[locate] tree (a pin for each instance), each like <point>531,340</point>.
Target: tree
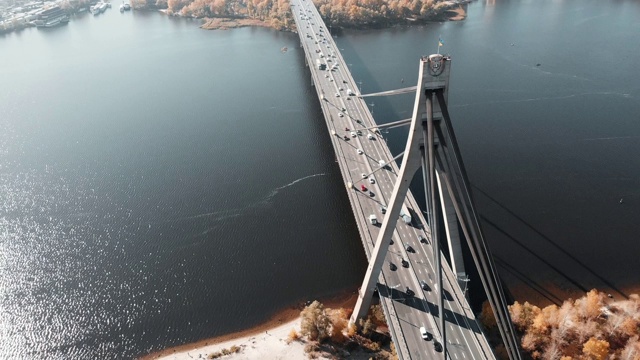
<point>596,349</point>
<point>315,323</point>
<point>589,306</point>
<point>487,317</point>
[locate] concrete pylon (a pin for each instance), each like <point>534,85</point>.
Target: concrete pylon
<point>432,72</point>
<point>432,145</point>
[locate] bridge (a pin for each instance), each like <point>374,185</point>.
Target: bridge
<point>415,286</point>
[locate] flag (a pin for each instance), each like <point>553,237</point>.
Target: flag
<point>440,42</point>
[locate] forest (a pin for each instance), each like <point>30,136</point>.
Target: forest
<point>337,13</point>
<point>593,327</point>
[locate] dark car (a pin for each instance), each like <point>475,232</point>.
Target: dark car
<point>424,285</point>
<point>405,263</point>
<point>437,346</point>
<point>392,266</point>
<point>409,292</point>
<point>409,249</point>
<point>422,239</point>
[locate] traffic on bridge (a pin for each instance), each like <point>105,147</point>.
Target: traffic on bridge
<point>406,285</point>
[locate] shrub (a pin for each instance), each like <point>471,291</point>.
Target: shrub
<point>293,336</point>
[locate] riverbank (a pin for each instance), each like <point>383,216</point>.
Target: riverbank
<point>229,23</point>
<point>267,340</point>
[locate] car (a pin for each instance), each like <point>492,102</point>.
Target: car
<point>344,81</point>
<point>359,132</point>
<point>409,249</point>
<point>341,114</point>
<point>437,346</point>
<point>372,181</point>
<point>346,137</point>
<point>331,80</point>
<point>363,188</point>
<point>344,109</point>
<point>371,193</point>
<point>326,75</point>
<point>383,209</point>
<point>359,121</point>
<point>353,134</point>
<point>392,266</point>
<point>337,94</point>
<point>369,136</point>
<point>340,89</point>
<point>329,60</point>
<point>405,263</point>
<point>364,176</point>
<point>422,239</point>
<point>346,129</point>
<point>409,292</point>
<point>425,335</point>
<point>424,285</point>
<point>391,242</point>
<point>360,152</point>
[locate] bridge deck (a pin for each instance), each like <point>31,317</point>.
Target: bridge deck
<point>405,315</point>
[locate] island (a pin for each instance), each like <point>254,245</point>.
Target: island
<point>227,14</point>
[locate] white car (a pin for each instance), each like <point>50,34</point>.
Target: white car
<point>372,181</point>
<point>424,333</point>
<point>341,114</point>
<point>370,137</point>
<point>353,134</point>
<point>337,94</point>
<point>360,152</point>
<point>364,176</point>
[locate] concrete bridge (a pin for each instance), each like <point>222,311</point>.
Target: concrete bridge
<point>415,287</point>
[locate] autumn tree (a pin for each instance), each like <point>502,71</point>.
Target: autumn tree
<point>315,323</point>
<point>596,349</point>
<point>487,318</point>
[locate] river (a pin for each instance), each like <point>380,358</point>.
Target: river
<point>162,184</point>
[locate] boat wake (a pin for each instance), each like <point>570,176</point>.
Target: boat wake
<point>275,191</point>
<point>220,215</point>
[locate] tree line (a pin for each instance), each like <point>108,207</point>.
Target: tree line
<point>590,328</point>
<point>341,13</point>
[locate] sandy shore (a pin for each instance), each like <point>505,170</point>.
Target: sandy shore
<point>270,344</point>
<point>458,14</point>
<point>227,23</point>
<point>264,341</point>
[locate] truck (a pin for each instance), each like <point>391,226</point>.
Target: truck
<point>405,214</point>
<point>321,65</point>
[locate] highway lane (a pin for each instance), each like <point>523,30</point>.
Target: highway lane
<point>406,314</point>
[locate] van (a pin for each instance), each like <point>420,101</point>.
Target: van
<point>373,219</point>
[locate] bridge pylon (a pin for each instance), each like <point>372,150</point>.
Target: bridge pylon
<point>432,146</point>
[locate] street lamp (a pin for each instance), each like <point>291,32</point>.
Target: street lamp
<point>466,280</point>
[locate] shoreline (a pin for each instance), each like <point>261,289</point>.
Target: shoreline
<point>278,326</point>
<point>288,317</point>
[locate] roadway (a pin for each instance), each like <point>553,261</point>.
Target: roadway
<point>359,152</point>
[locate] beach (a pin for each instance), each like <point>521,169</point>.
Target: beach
<point>268,340</point>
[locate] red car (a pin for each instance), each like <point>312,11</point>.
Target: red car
<point>363,188</point>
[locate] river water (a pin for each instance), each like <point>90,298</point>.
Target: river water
<point>161,184</point>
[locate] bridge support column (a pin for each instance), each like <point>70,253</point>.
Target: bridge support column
<point>453,235</point>
<point>432,145</point>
